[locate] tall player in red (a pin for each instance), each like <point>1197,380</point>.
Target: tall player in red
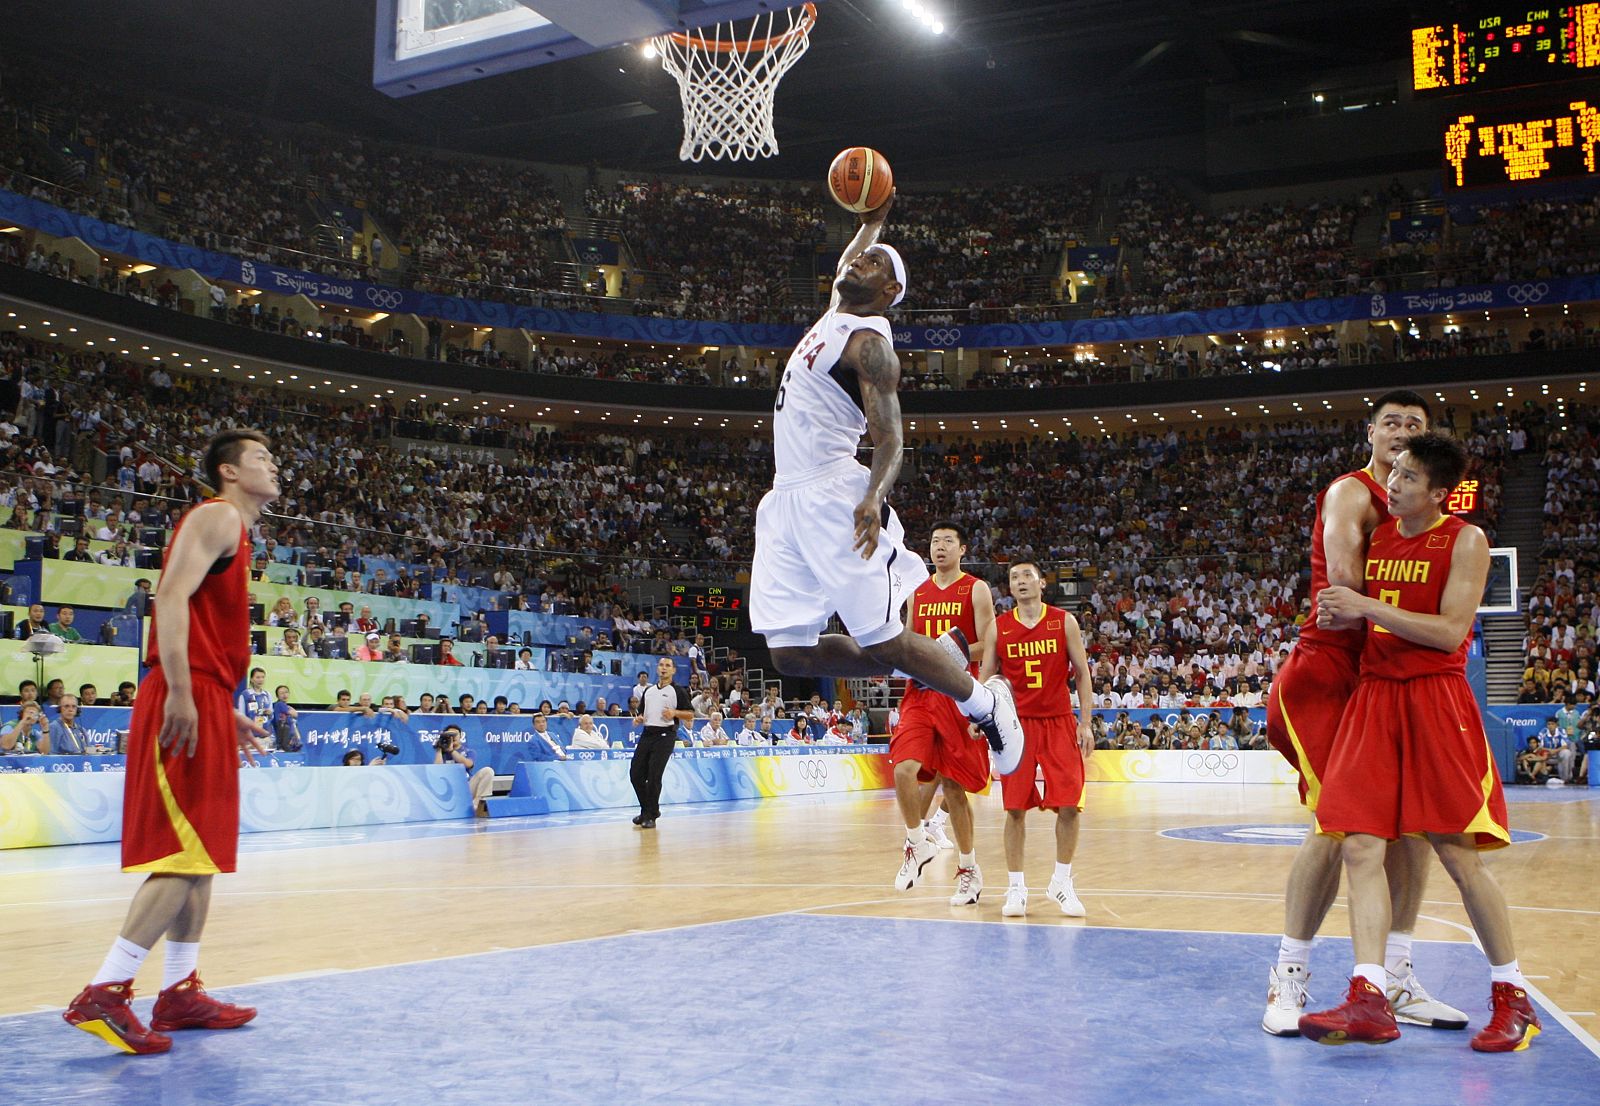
<point>1307,698</point>
<point>931,743</point>
<point>1039,650</point>
<point>1411,756</point>
<point>180,810</point>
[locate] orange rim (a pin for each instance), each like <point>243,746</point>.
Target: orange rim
<point>808,17</point>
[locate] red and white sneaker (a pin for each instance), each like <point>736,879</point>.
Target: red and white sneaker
<point>186,1005</point>
<point>105,1010</point>
<point>1514,1023</point>
<point>1364,1018</point>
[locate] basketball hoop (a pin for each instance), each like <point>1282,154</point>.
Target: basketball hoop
<point>727,81</point>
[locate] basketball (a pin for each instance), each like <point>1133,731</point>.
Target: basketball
<point>860,179</point>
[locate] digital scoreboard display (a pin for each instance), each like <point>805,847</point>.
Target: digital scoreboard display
<point>1510,146</point>
<point>707,606</point>
<point>1505,46</point>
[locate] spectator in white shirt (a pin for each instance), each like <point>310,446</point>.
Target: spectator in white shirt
<point>712,732</point>
<point>748,733</point>
<point>585,736</point>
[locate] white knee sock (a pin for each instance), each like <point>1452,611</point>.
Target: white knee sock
<point>180,960</point>
<point>122,962</point>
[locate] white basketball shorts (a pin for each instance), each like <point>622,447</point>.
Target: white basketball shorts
<point>806,569</point>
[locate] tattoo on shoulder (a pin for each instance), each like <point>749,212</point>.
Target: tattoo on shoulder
<point>878,365</point>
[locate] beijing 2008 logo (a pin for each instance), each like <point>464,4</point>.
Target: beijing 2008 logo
<point>1380,307</point>
<point>247,272</point>
<point>942,337</point>
<point>386,298</point>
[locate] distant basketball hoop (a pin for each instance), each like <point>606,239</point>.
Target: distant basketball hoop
<point>727,81</point>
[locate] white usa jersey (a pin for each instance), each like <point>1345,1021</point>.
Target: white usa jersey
<point>817,419</point>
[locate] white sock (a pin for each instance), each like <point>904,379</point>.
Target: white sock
<point>939,818</point>
<point>979,704</point>
<point>1015,879</point>
<point>1063,872</point>
<point>1507,973</point>
<point>1372,973</point>
<point>916,836</point>
<point>122,962</point>
<point>966,860</point>
<point>1293,953</point>
<point>181,958</point>
<point>1397,952</point>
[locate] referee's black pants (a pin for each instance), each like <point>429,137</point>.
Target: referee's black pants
<point>650,758</point>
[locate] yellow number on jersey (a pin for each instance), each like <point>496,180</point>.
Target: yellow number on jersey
<point>1391,597</point>
<point>1030,668</point>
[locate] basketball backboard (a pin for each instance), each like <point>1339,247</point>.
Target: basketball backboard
<point>425,44</point>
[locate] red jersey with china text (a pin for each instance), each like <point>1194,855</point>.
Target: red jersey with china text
<point>219,616</point>
<point>935,610</point>
<point>1410,573</point>
<point>1034,660</point>
<point>1349,639</point>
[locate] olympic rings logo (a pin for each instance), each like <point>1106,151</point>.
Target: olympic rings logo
<point>386,298</point>
<point>814,771</point>
<point>1528,293</point>
<point>942,337</point>
<point>1212,764</point>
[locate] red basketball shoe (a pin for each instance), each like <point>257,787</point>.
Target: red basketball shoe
<point>103,1009</point>
<point>186,1005</point>
<point>1514,1024</point>
<point>1365,1017</point>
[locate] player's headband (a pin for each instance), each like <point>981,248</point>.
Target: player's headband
<point>899,269</point>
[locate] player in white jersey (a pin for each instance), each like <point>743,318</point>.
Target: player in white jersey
<point>827,540</point>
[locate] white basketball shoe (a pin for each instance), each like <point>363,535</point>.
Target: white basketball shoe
<point>1064,895</point>
<point>1016,905</point>
<point>1414,1006</point>
<point>1286,1000</point>
<point>969,885</point>
<point>1002,729</point>
<point>916,858</point>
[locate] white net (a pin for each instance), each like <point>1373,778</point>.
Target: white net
<point>727,80</point>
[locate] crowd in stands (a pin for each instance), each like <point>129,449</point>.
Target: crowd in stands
<point>1563,607</point>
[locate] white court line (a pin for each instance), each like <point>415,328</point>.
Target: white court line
<point>1584,1037</point>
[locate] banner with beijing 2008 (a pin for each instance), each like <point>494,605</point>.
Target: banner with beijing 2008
<point>110,238</point>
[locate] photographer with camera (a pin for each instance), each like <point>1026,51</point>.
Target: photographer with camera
<point>449,749</point>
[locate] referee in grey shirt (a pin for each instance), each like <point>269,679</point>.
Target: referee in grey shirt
<point>662,706</point>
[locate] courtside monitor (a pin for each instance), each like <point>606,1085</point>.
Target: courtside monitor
<point>420,45</point>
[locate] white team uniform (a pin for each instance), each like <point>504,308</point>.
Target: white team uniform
<point>805,567</point>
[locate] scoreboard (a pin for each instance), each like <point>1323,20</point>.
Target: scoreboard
<point>1504,46</point>
<point>1510,146</point>
<point>708,607</point>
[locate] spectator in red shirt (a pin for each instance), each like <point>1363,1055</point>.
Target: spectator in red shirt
<point>447,656</point>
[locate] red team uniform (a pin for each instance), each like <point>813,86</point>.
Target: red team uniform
<point>1411,755</point>
<point>180,814</point>
<point>1035,662</point>
<point>932,729</point>
<point>1311,688</point>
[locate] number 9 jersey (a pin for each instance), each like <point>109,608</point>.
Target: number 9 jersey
<point>1034,661</point>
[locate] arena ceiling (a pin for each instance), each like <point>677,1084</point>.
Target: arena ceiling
<point>1009,78</point>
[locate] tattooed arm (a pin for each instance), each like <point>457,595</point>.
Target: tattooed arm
<point>878,372</point>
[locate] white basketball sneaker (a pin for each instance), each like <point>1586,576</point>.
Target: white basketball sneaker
<point>936,833</point>
<point>1062,893</point>
<point>1002,729</point>
<point>1286,1000</point>
<point>1016,902</point>
<point>916,859</point>
<point>969,885</point>
<point>1414,1006</point>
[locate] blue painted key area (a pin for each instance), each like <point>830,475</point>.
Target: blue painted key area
<point>803,1008</point>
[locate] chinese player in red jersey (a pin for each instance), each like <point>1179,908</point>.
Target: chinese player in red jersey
<point>180,813</point>
<point>1308,697</point>
<point>1039,650</point>
<point>1411,756</point>
<point>932,742</point>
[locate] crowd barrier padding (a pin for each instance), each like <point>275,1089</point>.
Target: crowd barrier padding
<point>599,780</point>
<point>544,629</point>
<point>319,681</point>
<point>104,666</point>
<point>77,808</point>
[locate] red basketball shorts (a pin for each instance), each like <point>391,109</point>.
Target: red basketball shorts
<point>180,814</point>
<point>1308,697</point>
<point>1411,757</point>
<point>1051,773</point>
<point>933,732</point>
